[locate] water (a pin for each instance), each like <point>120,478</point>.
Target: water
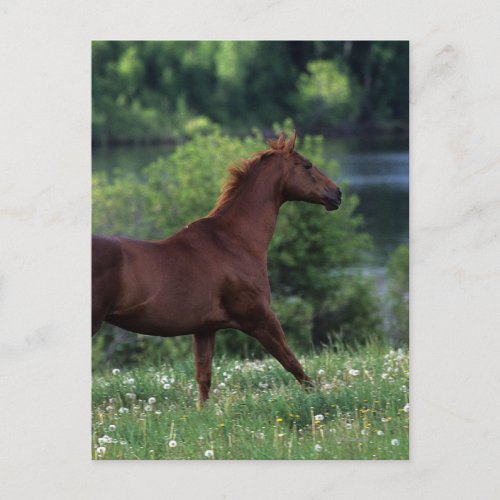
<point>378,172</point>
<point>376,168</point>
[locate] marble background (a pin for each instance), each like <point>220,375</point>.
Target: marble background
<point>45,252</point>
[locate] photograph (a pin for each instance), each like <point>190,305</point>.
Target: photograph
<point>250,250</point>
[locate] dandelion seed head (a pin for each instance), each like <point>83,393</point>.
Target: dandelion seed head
<point>321,372</point>
<point>167,386</point>
<point>112,428</point>
<point>152,401</point>
<point>318,447</point>
<point>353,373</point>
<point>319,417</point>
<point>123,410</point>
<point>115,371</point>
<point>101,450</point>
<point>380,433</point>
<point>395,442</point>
<point>406,408</point>
<point>148,408</point>
<point>104,439</point>
<point>172,443</point>
<point>209,453</point>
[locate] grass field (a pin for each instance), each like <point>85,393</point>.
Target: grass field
<point>358,409</point>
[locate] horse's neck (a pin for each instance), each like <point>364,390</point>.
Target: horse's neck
<point>252,216</point>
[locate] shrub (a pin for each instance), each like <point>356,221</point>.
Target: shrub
<point>399,281</point>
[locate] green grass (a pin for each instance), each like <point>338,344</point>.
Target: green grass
<point>357,410</point>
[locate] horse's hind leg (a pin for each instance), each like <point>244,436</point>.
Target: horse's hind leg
<point>268,331</point>
<point>203,344</point>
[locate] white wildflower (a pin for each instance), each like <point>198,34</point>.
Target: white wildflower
<point>105,439</point>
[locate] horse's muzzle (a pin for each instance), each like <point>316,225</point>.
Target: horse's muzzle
<point>332,200</point>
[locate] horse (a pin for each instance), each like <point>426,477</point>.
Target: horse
<point>212,274</point>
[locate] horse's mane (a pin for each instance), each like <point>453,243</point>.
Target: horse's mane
<point>239,173</point>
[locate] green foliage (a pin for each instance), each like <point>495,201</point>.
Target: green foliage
<point>312,256</point>
<point>155,91</point>
<point>358,409</point>
<point>398,274</point>
<point>328,96</point>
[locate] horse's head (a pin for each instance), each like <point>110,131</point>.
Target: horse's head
<point>304,181</point>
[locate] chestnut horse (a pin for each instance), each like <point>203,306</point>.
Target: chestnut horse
<point>213,273</point>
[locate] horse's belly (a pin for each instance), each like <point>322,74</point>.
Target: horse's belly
<point>169,320</point>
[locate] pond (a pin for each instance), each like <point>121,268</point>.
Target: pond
<point>377,170</point>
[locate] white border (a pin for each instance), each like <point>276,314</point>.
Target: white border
<point>45,225</point>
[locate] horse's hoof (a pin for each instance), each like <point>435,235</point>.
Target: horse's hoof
<point>308,384</point>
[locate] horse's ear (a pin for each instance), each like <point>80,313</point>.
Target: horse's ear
<point>278,143</point>
<point>291,142</point>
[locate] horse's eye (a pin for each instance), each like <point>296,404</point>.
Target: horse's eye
<point>308,165</point>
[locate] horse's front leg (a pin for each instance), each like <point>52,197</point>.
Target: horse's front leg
<point>268,331</point>
<point>203,344</point>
